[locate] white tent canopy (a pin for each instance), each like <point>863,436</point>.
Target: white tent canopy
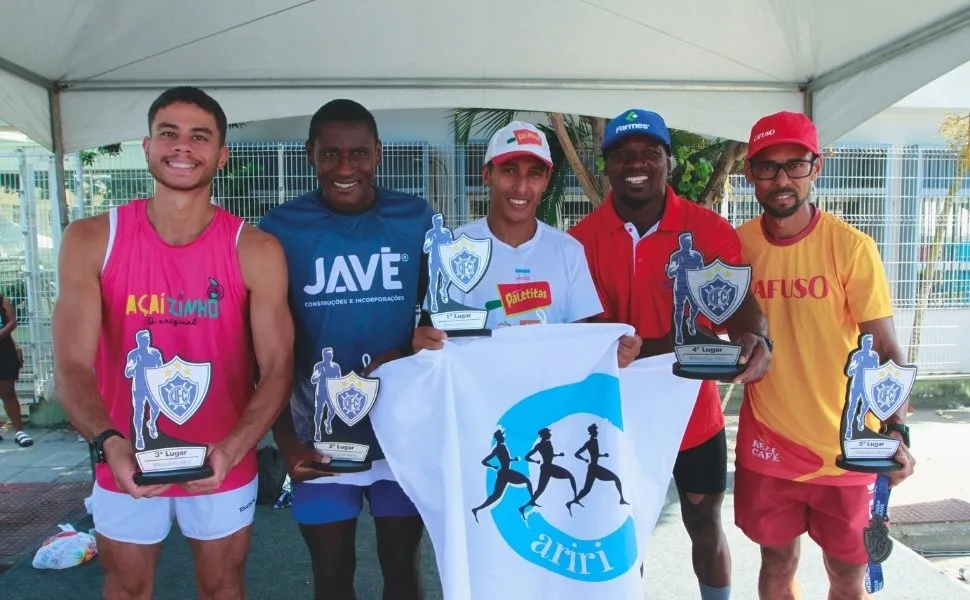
<point>949,92</point>
<point>80,73</point>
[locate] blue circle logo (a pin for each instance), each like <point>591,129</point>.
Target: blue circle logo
<point>534,538</point>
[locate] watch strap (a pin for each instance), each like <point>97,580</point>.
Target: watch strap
<point>901,428</point>
<point>97,444</point>
<point>107,433</point>
<point>768,342</point>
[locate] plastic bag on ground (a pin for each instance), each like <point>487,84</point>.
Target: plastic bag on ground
<point>66,549</point>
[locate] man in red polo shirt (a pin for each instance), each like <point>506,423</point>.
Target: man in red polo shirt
<point>628,242</point>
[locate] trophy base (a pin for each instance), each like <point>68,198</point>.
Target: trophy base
<point>703,372</point>
<point>704,357</point>
<point>343,466</point>
<point>172,476</point>
<point>868,465</point>
<point>457,333</point>
<point>345,457</point>
<point>458,320</point>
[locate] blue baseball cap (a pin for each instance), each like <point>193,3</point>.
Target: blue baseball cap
<point>636,121</point>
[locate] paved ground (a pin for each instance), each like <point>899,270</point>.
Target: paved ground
<point>940,444</point>
<point>55,457</point>
<point>40,487</point>
<point>278,567</point>
<point>27,511</point>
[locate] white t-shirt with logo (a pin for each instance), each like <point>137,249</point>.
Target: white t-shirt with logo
<point>544,280</point>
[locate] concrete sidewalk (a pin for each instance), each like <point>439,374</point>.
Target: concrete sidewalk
<point>56,456</point>
<point>668,572</point>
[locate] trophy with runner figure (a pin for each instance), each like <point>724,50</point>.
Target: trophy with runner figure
<point>715,290</point>
<point>460,263</point>
<point>879,389</point>
<point>348,397</point>
<point>175,389</point>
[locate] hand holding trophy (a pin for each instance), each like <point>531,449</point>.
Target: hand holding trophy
<point>175,389</point>
<point>461,263</point>
<point>882,390</point>
<point>715,290</point>
<point>349,397</point>
<point>879,389</point>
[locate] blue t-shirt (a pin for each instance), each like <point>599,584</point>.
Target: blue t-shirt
<point>355,282</point>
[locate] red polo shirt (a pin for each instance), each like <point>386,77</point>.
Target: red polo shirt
<point>629,273</point>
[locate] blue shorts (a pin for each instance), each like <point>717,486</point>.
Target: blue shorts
<point>321,503</point>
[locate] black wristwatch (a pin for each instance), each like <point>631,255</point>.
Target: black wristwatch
<point>901,428</point>
<point>96,445</point>
<point>768,342</point>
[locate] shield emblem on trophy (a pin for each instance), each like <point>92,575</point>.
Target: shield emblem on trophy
<point>887,388</point>
<point>717,290</point>
<point>352,397</point>
<point>179,388</point>
<point>466,261</point>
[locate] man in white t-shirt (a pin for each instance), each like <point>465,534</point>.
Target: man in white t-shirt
<point>537,274</point>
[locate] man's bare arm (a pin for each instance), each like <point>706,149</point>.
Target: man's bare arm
<point>264,270</point>
<point>76,328</point>
<point>76,324</point>
<point>885,345</point>
<point>748,319</point>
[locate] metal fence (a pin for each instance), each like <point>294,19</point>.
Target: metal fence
<point>894,194</point>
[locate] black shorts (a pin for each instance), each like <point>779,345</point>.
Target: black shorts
<point>9,361</point>
<point>703,469</point>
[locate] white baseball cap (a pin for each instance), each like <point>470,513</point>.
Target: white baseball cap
<point>518,139</point>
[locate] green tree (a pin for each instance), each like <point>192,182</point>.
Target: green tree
<point>87,157</point>
<point>703,164</point>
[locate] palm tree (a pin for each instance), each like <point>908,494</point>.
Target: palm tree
<point>574,131</point>
<point>703,165</point>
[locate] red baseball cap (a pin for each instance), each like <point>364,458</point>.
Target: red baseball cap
<point>783,128</point>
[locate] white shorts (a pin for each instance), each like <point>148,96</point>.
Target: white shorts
<point>122,518</point>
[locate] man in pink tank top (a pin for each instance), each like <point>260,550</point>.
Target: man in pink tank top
<point>172,319</point>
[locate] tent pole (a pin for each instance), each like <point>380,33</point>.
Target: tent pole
<point>808,102</point>
<point>59,190</point>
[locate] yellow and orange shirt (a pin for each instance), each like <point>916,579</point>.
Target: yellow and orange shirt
<point>814,289</point>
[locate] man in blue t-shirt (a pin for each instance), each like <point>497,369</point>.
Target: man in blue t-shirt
<point>356,278</point>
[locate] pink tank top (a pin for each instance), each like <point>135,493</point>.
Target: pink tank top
<point>175,354</point>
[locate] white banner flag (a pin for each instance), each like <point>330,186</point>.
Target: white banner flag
<point>538,466</point>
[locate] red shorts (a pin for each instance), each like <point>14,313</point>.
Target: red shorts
<point>773,512</point>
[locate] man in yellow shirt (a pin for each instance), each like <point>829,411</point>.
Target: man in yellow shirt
<point>820,283</point>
